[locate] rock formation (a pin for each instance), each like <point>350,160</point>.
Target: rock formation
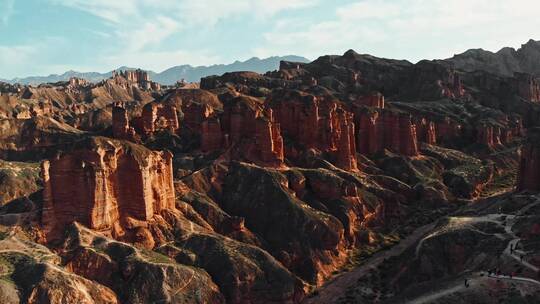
<point>346,147</point>
<point>138,77</point>
<point>380,130</point>
<point>485,135</point>
<point>426,131</point>
<point>105,185</point>
<point>195,114</point>
<point>269,141</point>
<point>447,129</point>
<point>159,116</point>
<point>317,123</point>
<point>529,167</point>
<point>375,100</point>
<point>120,125</point>
<point>528,87</point>
<point>75,82</point>
<point>212,138</point>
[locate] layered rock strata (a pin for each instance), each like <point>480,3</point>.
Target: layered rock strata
<point>106,185</point>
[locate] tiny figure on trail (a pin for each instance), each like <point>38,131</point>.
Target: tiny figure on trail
<point>467,283</point>
<point>521,258</point>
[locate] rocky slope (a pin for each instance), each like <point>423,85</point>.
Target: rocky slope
<point>263,188</point>
<point>505,62</point>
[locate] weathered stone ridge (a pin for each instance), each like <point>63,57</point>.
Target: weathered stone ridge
<point>103,184</point>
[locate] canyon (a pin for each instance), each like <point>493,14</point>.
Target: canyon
<point>348,179</point>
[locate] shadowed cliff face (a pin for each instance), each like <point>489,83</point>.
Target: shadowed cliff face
<point>529,175</point>
<point>261,188</point>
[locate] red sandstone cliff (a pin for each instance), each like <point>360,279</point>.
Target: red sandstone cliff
<point>380,130</point>
<point>316,122</point>
<point>106,185</point>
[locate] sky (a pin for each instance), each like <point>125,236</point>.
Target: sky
<point>41,37</point>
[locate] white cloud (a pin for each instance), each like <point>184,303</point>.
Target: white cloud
<point>110,10</point>
<point>412,29</point>
<point>150,32</point>
<point>139,28</point>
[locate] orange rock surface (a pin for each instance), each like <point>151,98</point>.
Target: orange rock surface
<point>103,184</point>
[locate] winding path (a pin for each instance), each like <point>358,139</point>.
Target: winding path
<point>336,287</point>
<point>510,221</point>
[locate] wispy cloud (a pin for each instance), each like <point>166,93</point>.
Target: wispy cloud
<point>113,11</point>
<point>411,29</point>
<point>139,28</point>
<point>150,32</point>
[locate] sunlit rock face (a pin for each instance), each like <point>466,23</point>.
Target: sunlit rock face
<point>317,122</point>
<point>159,116</point>
<point>105,185</point>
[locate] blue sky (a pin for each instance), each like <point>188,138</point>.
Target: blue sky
<point>40,37</point>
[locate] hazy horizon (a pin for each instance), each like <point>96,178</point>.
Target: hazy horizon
<point>43,37</point>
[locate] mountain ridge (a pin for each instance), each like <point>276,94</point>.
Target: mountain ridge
<point>506,61</point>
<point>170,75</point>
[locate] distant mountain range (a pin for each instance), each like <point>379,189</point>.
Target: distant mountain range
<point>172,75</point>
<point>504,62</point>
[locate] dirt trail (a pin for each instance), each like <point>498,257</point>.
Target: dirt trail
<point>473,281</point>
<point>510,221</point>
<point>336,287</point>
